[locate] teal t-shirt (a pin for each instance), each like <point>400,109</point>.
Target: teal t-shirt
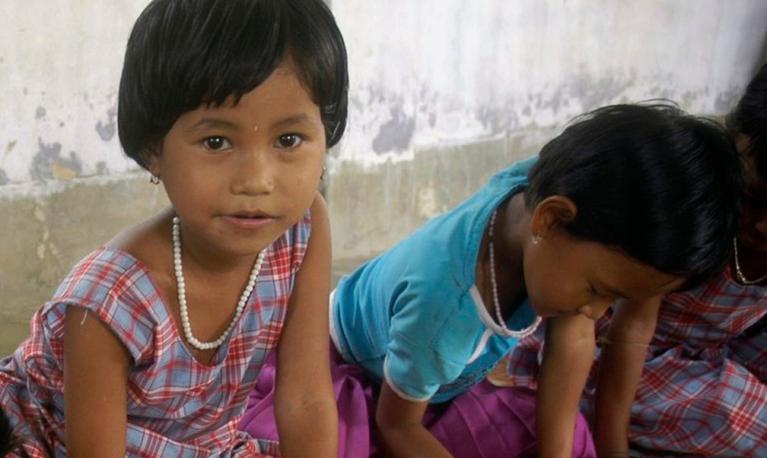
<point>413,316</point>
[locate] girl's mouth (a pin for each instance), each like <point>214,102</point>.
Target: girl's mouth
<point>248,220</point>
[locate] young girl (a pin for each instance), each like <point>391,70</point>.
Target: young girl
<point>152,343</point>
<point>630,202</point>
<point>703,391</point>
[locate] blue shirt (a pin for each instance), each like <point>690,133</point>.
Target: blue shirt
<point>413,315</point>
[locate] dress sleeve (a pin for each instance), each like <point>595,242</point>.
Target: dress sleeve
<point>229,444</point>
<point>116,291</point>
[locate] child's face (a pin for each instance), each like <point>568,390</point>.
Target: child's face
<point>239,176</point>
<point>565,275</point>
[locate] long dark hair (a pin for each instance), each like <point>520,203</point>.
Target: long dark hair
<point>750,118</point>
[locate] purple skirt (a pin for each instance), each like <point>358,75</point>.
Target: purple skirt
<point>485,422</point>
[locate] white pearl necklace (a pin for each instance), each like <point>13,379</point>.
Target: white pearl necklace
<point>739,273</point>
<point>184,309</point>
<point>522,333</point>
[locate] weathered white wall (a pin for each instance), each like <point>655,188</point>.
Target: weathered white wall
<point>60,64</point>
<point>432,72</point>
<point>424,73</point>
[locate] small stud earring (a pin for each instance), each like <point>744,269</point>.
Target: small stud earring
<point>536,239</point>
<point>324,173</point>
<point>155,179</point>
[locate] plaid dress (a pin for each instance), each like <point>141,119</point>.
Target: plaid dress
<point>703,391</point>
<point>177,407</point>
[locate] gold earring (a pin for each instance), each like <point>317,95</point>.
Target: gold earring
<point>154,179</point>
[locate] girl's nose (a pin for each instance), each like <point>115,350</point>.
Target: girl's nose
<point>253,174</point>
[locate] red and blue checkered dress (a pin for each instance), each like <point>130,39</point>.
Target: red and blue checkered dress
<point>704,386</point>
<point>177,407</point>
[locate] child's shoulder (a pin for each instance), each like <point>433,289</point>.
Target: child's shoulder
<point>145,243</point>
<point>115,287</point>
<point>103,272</point>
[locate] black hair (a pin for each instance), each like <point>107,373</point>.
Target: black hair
<point>662,186</point>
<point>750,118</point>
<point>8,442</point>
<point>183,54</point>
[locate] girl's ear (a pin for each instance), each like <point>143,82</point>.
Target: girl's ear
<point>551,215</point>
<point>151,156</point>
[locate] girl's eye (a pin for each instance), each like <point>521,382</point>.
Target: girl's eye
<point>289,141</point>
<point>216,143</point>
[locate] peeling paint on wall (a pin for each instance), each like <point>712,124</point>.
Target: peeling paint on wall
<point>107,129</point>
<point>49,164</point>
<point>395,134</point>
<point>425,74</point>
<point>438,72</point>
<point>724,101</point>
<point>102,168</point>
<point>46,82</point>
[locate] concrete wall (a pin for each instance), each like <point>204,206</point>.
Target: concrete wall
<point>65,186</point>
<point>443,92</point>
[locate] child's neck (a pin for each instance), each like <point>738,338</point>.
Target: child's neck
<point>510,229</point>
<point>200,256</point>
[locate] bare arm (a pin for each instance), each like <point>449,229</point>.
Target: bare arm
<point>399,427</point>
<point>305,406</point>
<point>95,387</point>
<point>620,369</point>
<point>567,358</point>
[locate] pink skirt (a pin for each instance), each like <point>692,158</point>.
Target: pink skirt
<point>485,422</point>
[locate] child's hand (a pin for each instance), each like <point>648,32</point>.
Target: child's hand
<point>399,426</point>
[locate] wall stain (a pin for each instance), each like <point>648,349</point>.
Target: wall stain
<point>396,134</point>
<point>40,112</point>
<point>10,147</point>
<point>106,130</point>
<point>687,98</point>
<point>101,168</point>
<point>48,163</point>
<point>597,92</point>
<point>726,100</point>
<point>4,180</point>
<point>498,120</point>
